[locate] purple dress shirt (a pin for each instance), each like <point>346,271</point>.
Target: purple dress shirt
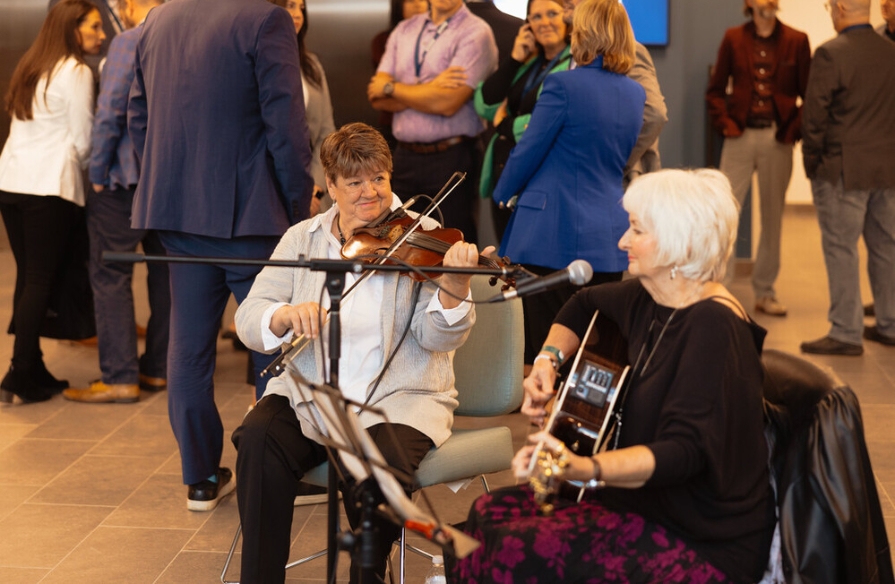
<point>416,43</point>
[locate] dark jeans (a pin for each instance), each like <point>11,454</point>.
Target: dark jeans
<point>39,229</point>
<point>108,223</point>
<point>272,456</point>
<point>199,295</point>
<point>425,174</point>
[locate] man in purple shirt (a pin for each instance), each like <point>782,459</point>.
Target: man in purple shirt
<point>431,65</point>
<point>113,171</point>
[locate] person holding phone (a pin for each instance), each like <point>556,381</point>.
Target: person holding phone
<point>507,98</point>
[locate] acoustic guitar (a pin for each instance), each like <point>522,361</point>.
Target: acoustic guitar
<point>582,415</point>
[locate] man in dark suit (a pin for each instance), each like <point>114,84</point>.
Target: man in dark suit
<point>216,115</point>
<point>848,133</point>
<point>504,26</point>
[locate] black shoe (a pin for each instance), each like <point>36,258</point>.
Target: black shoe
<point>18,382</point>
<point>828,346</point>
<point>872,334</point>
<point>205,495</point>
<point>46,380</point>
<point>869,310</point>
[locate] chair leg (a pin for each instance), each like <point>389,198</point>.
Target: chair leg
<point>232,551</point>
<point>230,557</point>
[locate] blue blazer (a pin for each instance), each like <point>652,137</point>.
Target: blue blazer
<point>217,117</point>
<point>567,171</point>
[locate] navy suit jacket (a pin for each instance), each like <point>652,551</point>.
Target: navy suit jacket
<point>217,118</point>
<point>567,170</point>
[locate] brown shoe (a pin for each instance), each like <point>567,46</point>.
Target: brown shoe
<point>100,392</point>
<point>153,383</point>
<point>871,333</point>
<point>829,346</point>
<point>770,306</point>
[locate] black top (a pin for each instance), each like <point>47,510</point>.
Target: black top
<point>698,407</point>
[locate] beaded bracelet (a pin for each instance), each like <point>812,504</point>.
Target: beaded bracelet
<point>553,362</point>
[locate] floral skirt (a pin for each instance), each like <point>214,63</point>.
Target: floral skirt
<point>581,542</point>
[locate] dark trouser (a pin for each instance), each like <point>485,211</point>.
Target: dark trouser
<point>425,174</point>
<point>108,223</point>
<point>199,295</point>
<point>39,229</point>
<point>539,310</point>
<point>272,456</point>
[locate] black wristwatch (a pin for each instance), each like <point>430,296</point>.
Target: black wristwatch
<point>388,89</point>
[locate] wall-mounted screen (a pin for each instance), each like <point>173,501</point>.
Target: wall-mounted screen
<point>649,19</point>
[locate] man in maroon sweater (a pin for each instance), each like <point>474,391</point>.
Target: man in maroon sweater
<point>761,70</point>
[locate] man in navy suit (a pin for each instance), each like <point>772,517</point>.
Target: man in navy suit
<point>217,118</point>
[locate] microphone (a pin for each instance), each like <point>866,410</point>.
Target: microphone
<point>578,273</point>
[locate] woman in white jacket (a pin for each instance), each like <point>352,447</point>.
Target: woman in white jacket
<point>50,101</point>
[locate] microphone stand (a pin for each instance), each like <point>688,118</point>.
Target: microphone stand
<point>336,271</point>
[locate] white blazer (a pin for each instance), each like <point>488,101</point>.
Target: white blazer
<point>45,155</point>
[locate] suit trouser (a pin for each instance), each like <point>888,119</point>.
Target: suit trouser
<point>39,229</point>
<point>199,295</point>
<point>272,456</point>
<point>758,151</point>
<point>425,174</point>
<point>108,224</point>
<point>843,217</point>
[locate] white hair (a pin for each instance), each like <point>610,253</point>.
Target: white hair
<point>693,216</point>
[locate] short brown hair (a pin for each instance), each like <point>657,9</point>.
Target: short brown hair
<point>601,27</point>
<point>353,148</point>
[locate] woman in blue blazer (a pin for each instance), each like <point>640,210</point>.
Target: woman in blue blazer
<point>564,177</point>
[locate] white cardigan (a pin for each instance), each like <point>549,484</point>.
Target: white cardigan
<point>45,155</point>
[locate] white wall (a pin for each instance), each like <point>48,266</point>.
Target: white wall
<point>811,17</point>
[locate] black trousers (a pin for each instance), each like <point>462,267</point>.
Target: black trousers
<point>39,229</point>
<point>272,456</point>
<point>416,174</point>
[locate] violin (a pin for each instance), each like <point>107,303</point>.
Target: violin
<point>421,248</point>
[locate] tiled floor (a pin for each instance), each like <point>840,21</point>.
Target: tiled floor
<point>92,493</point>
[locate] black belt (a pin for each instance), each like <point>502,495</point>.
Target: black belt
<point>433,147</point>
<point>759,124</point>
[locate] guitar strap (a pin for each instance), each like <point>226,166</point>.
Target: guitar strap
<point>732,305</point>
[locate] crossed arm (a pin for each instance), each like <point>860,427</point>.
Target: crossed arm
<point>443,96</point>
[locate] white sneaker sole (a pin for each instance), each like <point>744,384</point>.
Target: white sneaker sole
<point>209,505</point>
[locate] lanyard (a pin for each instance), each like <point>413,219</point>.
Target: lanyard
<point>419,60</point>
<point>536,76</point>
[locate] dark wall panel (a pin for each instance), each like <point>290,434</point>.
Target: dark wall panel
<point>340,32</point>
<point>19,22</point>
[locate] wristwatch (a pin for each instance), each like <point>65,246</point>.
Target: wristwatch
<point>388,89</point>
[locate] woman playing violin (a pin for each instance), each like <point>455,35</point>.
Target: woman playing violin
<point>687,496</point>
<point>408,376</point>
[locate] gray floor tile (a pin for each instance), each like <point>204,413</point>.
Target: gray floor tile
<point>113,554</point>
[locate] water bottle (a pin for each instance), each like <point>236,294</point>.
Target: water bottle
<point>435,575</point>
